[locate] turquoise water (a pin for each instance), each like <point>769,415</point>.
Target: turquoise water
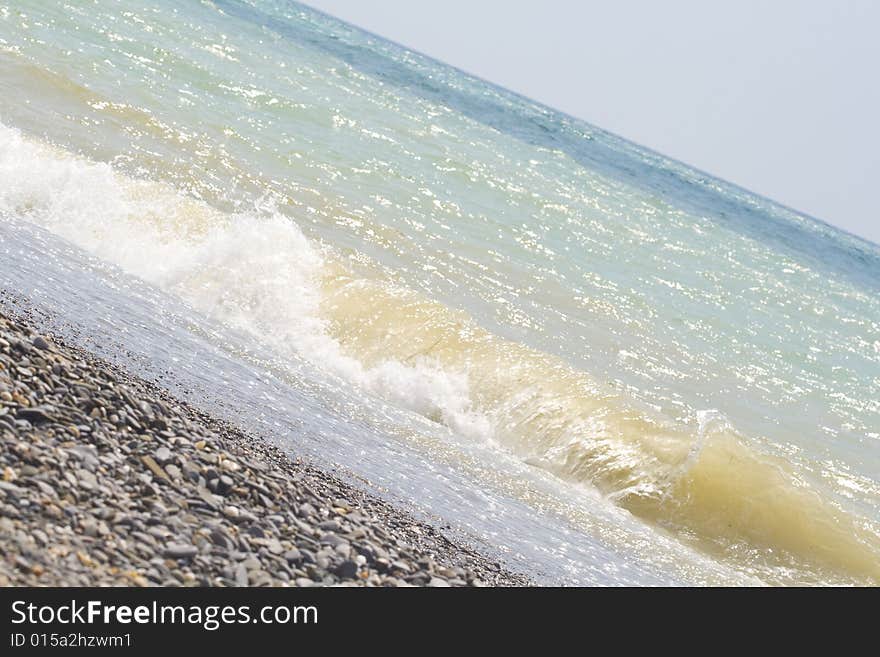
<point>663,342</point>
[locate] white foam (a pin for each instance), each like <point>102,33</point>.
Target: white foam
<point>255,271</point>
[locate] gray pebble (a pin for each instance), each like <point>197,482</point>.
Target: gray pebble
<point>40,343</point>
<point>180,551</point>
<point>162,455</point>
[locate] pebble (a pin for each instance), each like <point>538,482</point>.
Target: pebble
<point>293,556</point>
<point>154,467</point>
<point>224,484</point>
<point>40,343</point>
<point>180,551</point>
<point>162,455</point>
<point>347,569</point>
<point>241,575</point>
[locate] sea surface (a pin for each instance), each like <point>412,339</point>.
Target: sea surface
<point>595,362</point>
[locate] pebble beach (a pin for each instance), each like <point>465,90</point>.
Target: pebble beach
<point>286,302</point>
<point>107,480</point>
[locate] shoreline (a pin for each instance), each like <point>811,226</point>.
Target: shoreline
<point>106,479</point>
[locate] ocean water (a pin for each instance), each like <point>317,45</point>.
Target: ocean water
<point>601,364</point>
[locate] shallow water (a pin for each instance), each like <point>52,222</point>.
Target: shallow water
<point>614,367</point>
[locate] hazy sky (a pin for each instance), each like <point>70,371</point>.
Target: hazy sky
<point>780,97</point>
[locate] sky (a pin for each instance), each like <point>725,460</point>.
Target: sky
<point>781,97</point>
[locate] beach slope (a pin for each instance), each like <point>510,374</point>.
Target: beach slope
<point>107,480</point>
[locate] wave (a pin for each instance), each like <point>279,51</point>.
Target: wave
<point>256,271</point>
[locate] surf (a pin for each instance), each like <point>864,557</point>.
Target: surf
<point>702,481</point>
